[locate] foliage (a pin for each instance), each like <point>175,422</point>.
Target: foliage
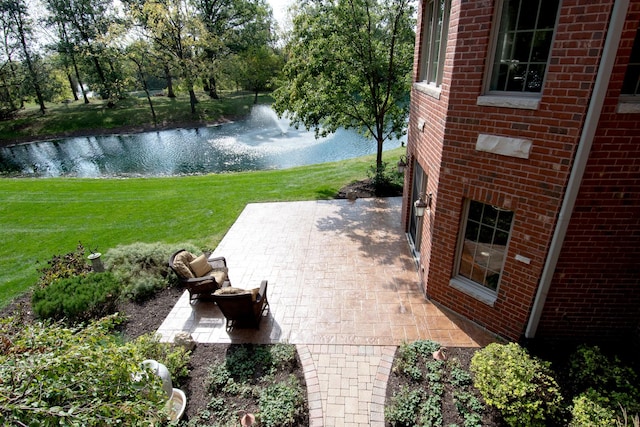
<point>63,267</point>
<point>78,298</point>
<point>261,374</point>
<point>591,409</point>
<point>590,369</point>
<point>404,407</point>
<point>411,356</point>
<point>385,179</point>
<point>282,404</point>
<point>521,387</point>
<point>174,357</point>
<point>349,65</point>
<point>142,268</point>
<point>54,375</point>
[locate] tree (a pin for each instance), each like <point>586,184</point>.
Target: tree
<point>349,66</point>
<point>232,27</point>
<point>259,65</point>
<point>15,13</point>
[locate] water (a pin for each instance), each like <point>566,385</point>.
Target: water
<point>262,141</point>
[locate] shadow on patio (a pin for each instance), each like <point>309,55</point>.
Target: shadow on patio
<point>339,272</point>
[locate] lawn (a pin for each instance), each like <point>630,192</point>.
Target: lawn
<point>43,217</point>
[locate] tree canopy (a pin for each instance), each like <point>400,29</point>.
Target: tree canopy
<point>349,65</point>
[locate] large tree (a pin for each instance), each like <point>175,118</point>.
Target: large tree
<point>349,66</point>
<point>16,16</point>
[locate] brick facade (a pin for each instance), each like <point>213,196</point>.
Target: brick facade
<point>596,286</point>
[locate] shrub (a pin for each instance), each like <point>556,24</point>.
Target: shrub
<point>63,267</point>
<point>521,387</point>
<point>55,375</point>
<point>385,180</point>
<point>282,404</point>
<point>77,298</point>
<point>589,369</point>
<point>142,268</point>
<point>591,409</point>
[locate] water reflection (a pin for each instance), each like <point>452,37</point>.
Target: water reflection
<point>262,141</point>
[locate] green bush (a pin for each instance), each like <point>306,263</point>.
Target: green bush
<point>282,404</point>
<point>589,369</point>
<point>404,407</point>
<point>63,267</point>
<point>77,298</point>
<point>142,268</point>
<point>521,387</point>
<point>384,179</point>
<point>591,409</point>
<point>413,356</point>
<point>174,357</point>
<point>54,375</point>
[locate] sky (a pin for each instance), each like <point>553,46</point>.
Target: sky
<point>280,9</point>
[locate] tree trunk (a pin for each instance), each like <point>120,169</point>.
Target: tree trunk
<point>193,100</point>
<point>167,75</point>
<point>255,98</point>
<point>27,57</point>
<point>71,85</point>
<point>213,88</point>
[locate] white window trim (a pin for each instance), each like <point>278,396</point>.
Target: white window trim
<point>509,101</point>
<point>474,290</point>
<point>428,89</point>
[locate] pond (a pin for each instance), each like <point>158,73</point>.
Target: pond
<point>261,141</point>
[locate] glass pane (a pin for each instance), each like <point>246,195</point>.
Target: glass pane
<point>489,215</point>
<point>522,47</point>
<point>475,211</point>
<point>541,46</point>
<point>632,80</point>
<point>515,77</point>
<point>528,15</point>
<point>504,220</point>
<point>548,14</point>
<point>486,234</point>
<point>501,238</point>
<point>534,78</point>
<point>473,228</point>
<point>509,19</point>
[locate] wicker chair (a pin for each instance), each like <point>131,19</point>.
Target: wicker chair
<point>201,275</point>
<point>241,307</point>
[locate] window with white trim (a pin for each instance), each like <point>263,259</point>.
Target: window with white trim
<point>483,248</point>
<point>434,40</point>
<point>523,45</point>
<point>631,84</point>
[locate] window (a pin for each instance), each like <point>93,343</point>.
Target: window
<point>523,45</point>
<point>434,40</point>
<point>631,85</point>
<point>483,249</point>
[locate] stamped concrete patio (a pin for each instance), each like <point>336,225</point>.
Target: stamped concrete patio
<point>343,286</point>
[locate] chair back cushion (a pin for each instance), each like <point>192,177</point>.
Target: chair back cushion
<point>181,264</point>
<point>200,266</point>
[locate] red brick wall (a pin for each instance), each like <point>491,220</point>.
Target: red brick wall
<point>596,287</point>
<point>533,188</point>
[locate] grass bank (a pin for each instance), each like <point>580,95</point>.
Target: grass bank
<point>132,113</point>
<point>43,217</point>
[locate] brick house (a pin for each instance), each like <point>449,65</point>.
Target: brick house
<point>524,145</point>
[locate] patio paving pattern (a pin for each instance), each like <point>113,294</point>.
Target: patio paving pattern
<point>343,286</point>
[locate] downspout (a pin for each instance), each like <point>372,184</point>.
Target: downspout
<point>609,51</point>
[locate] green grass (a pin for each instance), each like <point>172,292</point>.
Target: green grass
<point>43,217</point>
<point>130,112</point>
